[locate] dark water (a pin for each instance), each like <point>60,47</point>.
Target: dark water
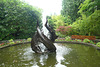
<point>67,55</point>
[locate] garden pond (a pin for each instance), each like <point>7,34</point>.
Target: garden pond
<point>67,55</point>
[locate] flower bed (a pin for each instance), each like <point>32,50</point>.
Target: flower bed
<point>78,41</point>
<point>83,37</point>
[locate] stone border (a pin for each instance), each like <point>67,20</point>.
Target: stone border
<point>96,40</point>
<point>73,42</point>
<point>13,44</point>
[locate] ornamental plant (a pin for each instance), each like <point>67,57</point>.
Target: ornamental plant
<point>98,44</point>
<point>68,38</point>
<point>64,29</point>
<point>60,39</point>
<point>11,41</point>
<point>86,41</point>
<point>1,44</point>
<point>78,40</point>
<point>29,39</point>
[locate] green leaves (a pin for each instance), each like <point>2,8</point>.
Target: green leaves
<point>18,19</point>
<point>70,8</point>
<point>89,6</point>
<point>88,25</point>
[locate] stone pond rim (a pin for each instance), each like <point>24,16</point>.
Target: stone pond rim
<point>87,44</point>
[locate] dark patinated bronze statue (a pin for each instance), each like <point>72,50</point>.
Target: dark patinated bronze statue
<point>39,37</point>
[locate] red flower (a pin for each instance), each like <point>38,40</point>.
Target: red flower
<point>2,44</point>
<point>63,29</point>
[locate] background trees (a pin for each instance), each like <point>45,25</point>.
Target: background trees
<point>17,19</point>
<point>82,15</point>
<point>89,21</point>
<point>70,9</point>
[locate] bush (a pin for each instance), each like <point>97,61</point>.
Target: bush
<point>11,41</point>
<point>18,19</point>
<point>68,38</point>
<point>60,35</point>
<point>64,29</point>
<point>98,44</point>
<point>86,41</point>
<point>78,40</point>
<point>29,39</point>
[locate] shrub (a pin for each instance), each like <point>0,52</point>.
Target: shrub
<point>78,40</point>
<point>86,41</point>
<point>98,44</point>
<point>16,17</point>
<point>68,38</point>
<point>92,42</point>
<point>60,35</point>
<point>11,41</point>
<point>64,29</point>
<point>29,39</point>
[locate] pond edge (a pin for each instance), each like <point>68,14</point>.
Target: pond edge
<point>74,42</point>
<point>13,44</point>
<point>71,42</point>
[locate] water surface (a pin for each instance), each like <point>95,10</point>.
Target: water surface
<point>67,55</point>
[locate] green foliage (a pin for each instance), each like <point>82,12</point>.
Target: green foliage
<point>89,6</point>
<point>92,42</point>
<point>97,37</point>
<point>56,21</point>
<point>59,21</point>
<point>17,19</point>
<point>60,35</point>
<point>87,20</point>
<point>29,39</point>
<point>98,44</point>
<point>67,38</point>
<point>87,25</point>
<point>64,30</point>
<point>78,40</point>
<point>94,23</point>
<point>86,40</point>
<point>11,41</point>
<point>70,9</point>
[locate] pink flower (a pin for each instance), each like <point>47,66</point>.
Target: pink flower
<point>63,29</point>
<point>58,30</point>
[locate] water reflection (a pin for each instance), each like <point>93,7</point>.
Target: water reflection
<point>47,59</point>
<point>61,52</point>
<point>67,55</point>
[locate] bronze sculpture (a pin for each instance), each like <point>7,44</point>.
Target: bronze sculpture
<point>39,37</point>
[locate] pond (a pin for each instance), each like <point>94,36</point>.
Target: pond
<point>67,55</point>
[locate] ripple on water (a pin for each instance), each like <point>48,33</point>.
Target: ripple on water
<point>67,55</point>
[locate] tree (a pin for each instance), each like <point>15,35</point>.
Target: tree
<point>70,8</point>
<point>17,19</point>
<point>88,23</point>
<point>89,6</point>
<point>56,21</point>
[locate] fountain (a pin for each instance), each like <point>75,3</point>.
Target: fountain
<point>39,37</point>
